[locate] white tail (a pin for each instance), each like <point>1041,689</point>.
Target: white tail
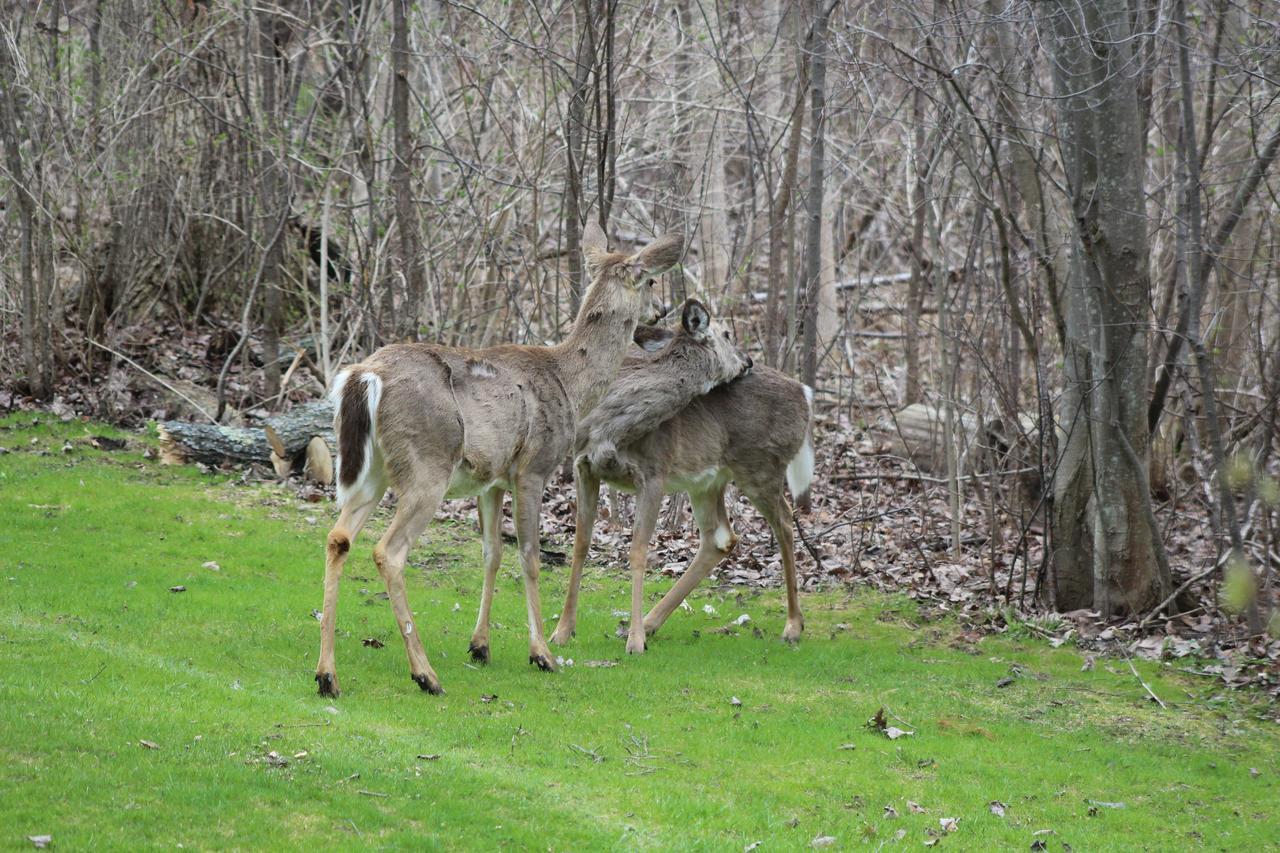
<point>800,468</point>
<point>355,424</point>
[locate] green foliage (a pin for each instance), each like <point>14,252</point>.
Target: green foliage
<point>1240,471</point>
<point>1239,587</point>
<point>97,655</point>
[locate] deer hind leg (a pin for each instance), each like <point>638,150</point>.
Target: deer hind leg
<point>391,552</point>
<point>587,488</point>
<point>528,509</point>
<point>490,504</point>
<point>648,505</point>
<point>715,540</point>
<point>338,546</point>
<point>775,511</point>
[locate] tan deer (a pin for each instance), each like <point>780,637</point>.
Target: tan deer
<point>699,357</point>
<point>432,422</point>
<point>755,431</point>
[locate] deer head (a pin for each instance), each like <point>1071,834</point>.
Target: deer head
<point>727,360</point>
<point>623,282</point>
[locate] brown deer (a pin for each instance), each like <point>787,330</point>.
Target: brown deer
<point>755,431</point>
<point>434,422</point>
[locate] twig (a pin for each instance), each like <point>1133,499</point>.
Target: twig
<point>155,378</point>
<point>1158,700</point>
<point>319,725</point>
<point>372,794</point>
<point>804,540</point>
<point>1155,611</point>
<point>101,669</point>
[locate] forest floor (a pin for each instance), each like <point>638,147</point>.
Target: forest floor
<point>133,715</point>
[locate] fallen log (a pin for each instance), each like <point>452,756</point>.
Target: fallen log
<point>214,444</point>
<point>918,433</point>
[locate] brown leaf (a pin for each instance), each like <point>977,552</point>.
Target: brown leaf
<point>429,756</point>
<point>916,808</point>
<point>997,808</point>
<point>147,744</point>
<point>373,642</point>
<point>488,697</point>
<point>40,841</point>
<point>178,588</point>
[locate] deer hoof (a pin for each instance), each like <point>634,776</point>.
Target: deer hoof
<point>328,684</point>
<point>479,654</point>
<point>543,662</point>
<point>561,636</point>
<point>429,683</point>
<point>791,633</point>
<point>636,646</point>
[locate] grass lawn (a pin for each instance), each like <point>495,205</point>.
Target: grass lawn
<point>99,659</point>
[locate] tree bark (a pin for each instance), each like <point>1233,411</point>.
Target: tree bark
<point>275,199</point>
<point>817,176</point>
<point>409,242</point>
<point>1104,555</point>
<point>212,444</point>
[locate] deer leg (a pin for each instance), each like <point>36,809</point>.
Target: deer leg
<point>390,554</point>
<point>587,488</point>
<point>775,511</point>
<point>648,504</point>
<point>715,541</point>
<point>338,546</point>
<point>528,509</point>
<point>490,503</point>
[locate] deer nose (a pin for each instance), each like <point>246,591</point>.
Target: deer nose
<point>750,363</point>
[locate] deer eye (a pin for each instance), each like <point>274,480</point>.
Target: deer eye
<point>726,334</point>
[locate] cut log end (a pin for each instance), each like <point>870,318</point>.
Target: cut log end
<point>319,464</point>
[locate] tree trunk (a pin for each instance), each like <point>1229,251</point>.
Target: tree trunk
<point>817,154</point>
<point>274,198</point>
<point>24,211</point>
<point>1104,555</point>
<point>575,132</point>
<point>410,245</point>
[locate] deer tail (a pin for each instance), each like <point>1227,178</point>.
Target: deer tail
<point>800,468</point>
<point>355,399</point>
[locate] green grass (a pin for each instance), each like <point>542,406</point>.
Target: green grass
<point>97,655</point>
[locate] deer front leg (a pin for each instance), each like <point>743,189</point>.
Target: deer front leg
<point>587,488</point>
<point>338,546</point>
<point>490,504</point>
<point>715,541</point>
<point>648,503</point>
<point>528,509</point>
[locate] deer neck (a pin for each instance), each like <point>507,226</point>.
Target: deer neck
<point>589,358</point>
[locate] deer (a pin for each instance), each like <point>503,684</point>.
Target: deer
<point>698,357</point>
<point>755,431</point>
<point>432,422</point>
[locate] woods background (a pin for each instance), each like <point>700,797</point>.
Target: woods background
<point>1038,236</point>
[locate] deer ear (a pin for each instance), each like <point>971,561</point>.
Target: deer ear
<point>595,248</point>
<point>660,255</point>
<point>695,318</point>
<point>651,338</point>
<point>593,237</point>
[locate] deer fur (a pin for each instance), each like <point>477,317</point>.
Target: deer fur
<point>697,358</point>
<point>755,431</point>
<point>431,422</point>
